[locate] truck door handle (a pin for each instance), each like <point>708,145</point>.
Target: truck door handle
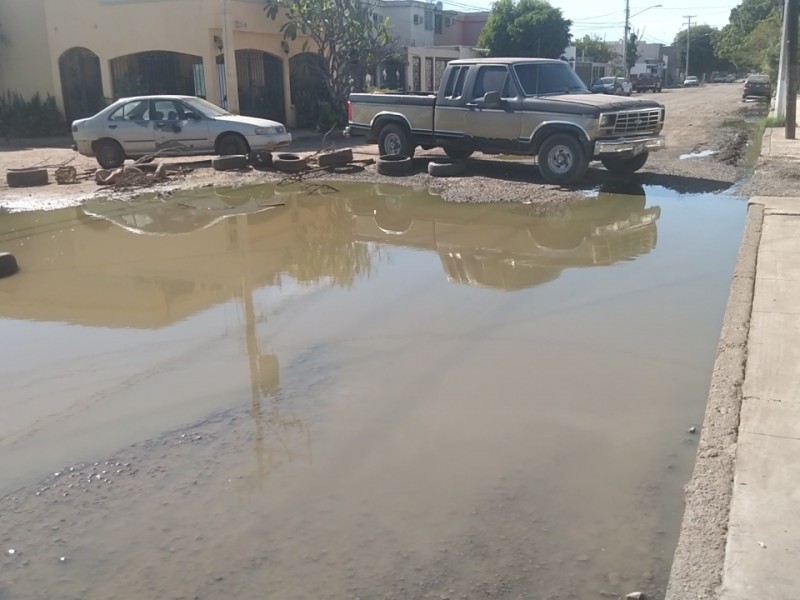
<point>471,105</point>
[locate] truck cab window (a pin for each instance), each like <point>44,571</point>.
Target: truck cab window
<point>548,78</point>
<point>492,79</point>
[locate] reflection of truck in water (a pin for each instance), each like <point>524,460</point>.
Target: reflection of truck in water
<point>511,246</point>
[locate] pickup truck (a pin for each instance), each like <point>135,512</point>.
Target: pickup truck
<point>647,82</point>
<point>519,106</point>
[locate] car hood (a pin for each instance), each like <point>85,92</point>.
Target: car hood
<point>603,102</point>
<point>254,121</point>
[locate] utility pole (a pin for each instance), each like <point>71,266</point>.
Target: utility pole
<point>688,38</point>
<point>625,38</point>
<point>790,16</point>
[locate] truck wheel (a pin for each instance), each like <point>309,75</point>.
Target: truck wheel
<point>394,140</point>
<point>625,166</point>
<point>457,152</point>
<point>562,159</point>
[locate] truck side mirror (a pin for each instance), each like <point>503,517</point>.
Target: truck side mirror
<point>491,99</point>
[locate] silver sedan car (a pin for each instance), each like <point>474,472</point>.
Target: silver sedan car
<point>175,125</point>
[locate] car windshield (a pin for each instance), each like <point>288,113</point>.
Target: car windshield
<point>539,79</point>
<point>691,78</point>
<point>606,80</point>
<point>206,108</point>
<point>759,79</point>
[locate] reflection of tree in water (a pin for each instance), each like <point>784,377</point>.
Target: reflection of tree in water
<point>328,250</point>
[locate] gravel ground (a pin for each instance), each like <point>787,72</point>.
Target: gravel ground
<point>706,118</point>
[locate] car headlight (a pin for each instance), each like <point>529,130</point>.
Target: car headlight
<point>270,130</point>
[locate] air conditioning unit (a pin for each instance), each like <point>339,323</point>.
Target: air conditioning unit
<point>417,20</point>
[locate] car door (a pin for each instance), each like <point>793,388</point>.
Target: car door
<point>491,127</point>
<point>179,128</point>
<point>130,126</point>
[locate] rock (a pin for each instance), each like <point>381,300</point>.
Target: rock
<point>636,596</point>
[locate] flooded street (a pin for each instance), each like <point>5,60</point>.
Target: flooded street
<point>362,394</point>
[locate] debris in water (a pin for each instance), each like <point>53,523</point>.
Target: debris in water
<point>698,154</point>
<point>636,596</point>
<point>12,552</point>
<point>762,544</point>
<point>692,429</point>
<point>62,559</point>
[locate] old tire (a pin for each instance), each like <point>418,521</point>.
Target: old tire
<point>458,152</point>
<point>562,159</point>
<point>26,177</point>
<point>447,168</point>
<point>625,166</point>
<point>231,143</point>
<point>394,165</point>
<point>109,154</point>
<point>395,140</point>
<point>233,162</point>
<point>8,264</point>
<point>290,163</point>
<point>260,159</point>
<point>337,158</point>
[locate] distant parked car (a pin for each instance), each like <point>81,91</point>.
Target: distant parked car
<point>757,85</point>
<point>177,125</point>
<point>617,86</point>
<point>691,81</point>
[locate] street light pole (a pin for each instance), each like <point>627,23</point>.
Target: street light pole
<point>625,39</point>
<point>688,38</point>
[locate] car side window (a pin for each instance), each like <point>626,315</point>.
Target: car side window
<point>135,110</point>
<point>492,79</point>
<point>165,110</point>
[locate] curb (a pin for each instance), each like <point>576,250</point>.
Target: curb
<point>699,557</point>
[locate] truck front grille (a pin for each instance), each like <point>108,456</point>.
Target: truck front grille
<point>637,121</point>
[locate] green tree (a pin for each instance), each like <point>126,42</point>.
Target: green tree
<point>594,49</point>
<point>346,37</point>
<point>525,28</point>
<point>633,50</point>
<point>702,54</point>
<point>745,41</point>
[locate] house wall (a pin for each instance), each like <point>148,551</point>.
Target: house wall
<point>401,21</point>
<point>40,31</point>
<point>25,58</point>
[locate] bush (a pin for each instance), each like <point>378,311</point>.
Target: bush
<point>30,118</point>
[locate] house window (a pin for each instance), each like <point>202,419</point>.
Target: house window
<point>437,24</point>
<point>375,18</point>
<point>429,20</point>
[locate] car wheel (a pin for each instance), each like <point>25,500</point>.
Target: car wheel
<point>230,143</point>
<point>394,140</point>
<point>394,164</point>
<point>625,166</point>
<point>109,154</point>
<point>8,264</point>
<point>562,159</point>
<point>26,177</point>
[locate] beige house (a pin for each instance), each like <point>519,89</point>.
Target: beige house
<point>86,52</point>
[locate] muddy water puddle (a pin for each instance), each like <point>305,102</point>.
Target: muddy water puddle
<point>361,394</point>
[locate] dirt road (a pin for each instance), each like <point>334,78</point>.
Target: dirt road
<point>705,118</point>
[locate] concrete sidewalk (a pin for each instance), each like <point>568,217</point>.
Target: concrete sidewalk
<point>740,538</point>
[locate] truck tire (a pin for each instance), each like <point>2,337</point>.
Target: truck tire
<point>562,159</point>
<point>447,168</point>
<point>232,162</point>
<point>290,163</point>
<point>26,177</point>
<point>393,164</point>
<point>8,264</point>
<point>395,140</point>
<point>625,166</point>
<point>457,151</point>
<point>337,158</point>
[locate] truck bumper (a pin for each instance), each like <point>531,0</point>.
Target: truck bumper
<point>632,147</point>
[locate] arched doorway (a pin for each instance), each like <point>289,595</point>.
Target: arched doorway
<point>158,72</point>
<point>260,76</point>
<point>309,93</point>
<point>81,83</point>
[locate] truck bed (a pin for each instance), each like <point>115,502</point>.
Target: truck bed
<point>416,109</point>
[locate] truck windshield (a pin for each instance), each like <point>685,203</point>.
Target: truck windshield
<point>539,79</point>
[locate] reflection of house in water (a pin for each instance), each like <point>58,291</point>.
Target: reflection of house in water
<point>509,246</point>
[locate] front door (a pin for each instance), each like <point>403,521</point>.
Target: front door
<point>177,126</point>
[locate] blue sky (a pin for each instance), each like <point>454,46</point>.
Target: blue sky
<point>607,19</point>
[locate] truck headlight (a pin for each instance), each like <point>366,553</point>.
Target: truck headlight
<point>607,121</point>
<point>270,130</point>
